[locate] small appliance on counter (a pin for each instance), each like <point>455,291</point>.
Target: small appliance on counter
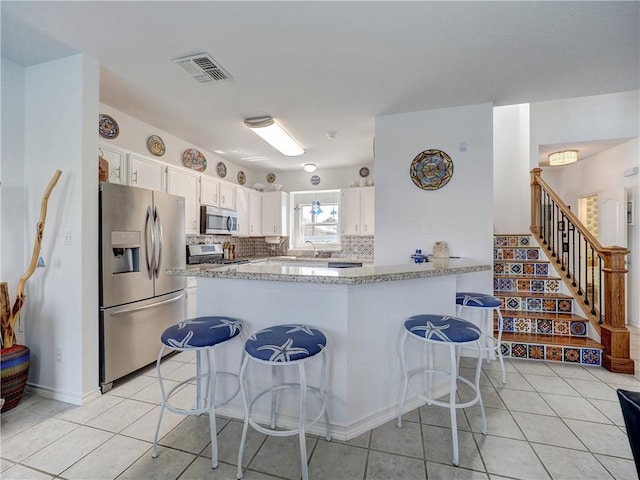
<point>214,253</point>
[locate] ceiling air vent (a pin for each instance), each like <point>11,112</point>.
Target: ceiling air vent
<point>203,68</point>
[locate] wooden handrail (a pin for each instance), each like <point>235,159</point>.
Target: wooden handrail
<point>609,318</point>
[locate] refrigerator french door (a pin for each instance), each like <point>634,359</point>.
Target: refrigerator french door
<point>141,235</point>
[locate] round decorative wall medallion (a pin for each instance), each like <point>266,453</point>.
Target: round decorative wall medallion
<point>364,172</point>
<point>315,180</point>
<point>242,178</point>
<point>192,158</point>
<point>222,169</point>
<point>155,144</point>
<point>431,169</point>
<point>108,127</point>
<point>271,177</point>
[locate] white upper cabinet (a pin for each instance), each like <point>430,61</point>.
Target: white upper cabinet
<point>146,173</point>
<point>216,193</point>
<point>185,183</point>
<point>242,207</point>
<point>255,213</point>
<point>275,208</point>
<point>357,211</point>
<point>117,163</point>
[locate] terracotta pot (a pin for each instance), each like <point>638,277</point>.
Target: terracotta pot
<point>14,370</point>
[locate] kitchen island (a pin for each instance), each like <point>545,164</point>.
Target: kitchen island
<point>360,310</point>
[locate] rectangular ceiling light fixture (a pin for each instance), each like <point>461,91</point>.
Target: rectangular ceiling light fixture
<point>272,133</point>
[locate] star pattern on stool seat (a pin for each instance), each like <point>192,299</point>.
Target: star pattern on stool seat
<point>432,330</point>
<point>234,325</point>
<point>284,352</point>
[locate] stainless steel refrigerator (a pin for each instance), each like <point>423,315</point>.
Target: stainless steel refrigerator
<point>141,235</point>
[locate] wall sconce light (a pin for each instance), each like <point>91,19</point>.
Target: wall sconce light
<point>272,133</point>
<point>563,158</point>
<point>309,167</point>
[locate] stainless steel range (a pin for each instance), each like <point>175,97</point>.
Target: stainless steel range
<point>214,253</point>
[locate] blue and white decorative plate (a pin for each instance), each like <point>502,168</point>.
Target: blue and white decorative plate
<point>431,169</point>
<point>192,158</point>
<point>315,180</point>
<point>108,127</point>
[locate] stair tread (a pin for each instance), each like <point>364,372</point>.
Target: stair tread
<point>559,340</point>
<point>559,296</point>
<point>542,315</point>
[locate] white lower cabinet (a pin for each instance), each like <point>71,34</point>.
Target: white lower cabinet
<point>184,183</point>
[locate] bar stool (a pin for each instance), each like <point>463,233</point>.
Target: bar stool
<point>200,335</point>
<point>279,346</point>
<point>454,333</point>
<point>487,304</point>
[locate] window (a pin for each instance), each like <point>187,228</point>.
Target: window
<point>316,218</point>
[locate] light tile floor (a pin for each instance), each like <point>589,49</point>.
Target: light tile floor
<point>549,421</point>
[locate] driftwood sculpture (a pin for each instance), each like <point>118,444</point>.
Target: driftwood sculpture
<point>10,316</point>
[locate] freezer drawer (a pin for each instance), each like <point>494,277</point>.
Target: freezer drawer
<point>130,334</point>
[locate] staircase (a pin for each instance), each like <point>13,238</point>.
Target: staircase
<point>540,322</point>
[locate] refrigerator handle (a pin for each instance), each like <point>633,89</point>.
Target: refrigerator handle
<point>158,224</point>
<point>149,230</point>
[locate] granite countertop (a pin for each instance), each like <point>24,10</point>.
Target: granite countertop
<point>308,272</point>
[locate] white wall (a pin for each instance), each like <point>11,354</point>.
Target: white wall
<point>511,177</point>
<point>334,178</point>
<point>12,206</point>
<point>460,213</point>
<point>600,173</point>
<point>61,311</point>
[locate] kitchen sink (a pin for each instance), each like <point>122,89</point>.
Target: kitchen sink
<point>344,264</point>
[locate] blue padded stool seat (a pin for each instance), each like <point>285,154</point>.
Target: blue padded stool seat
<point>280,346</point>
<point>286,343</point>
<point>488,304</point>
<point>472,299</point>
<point>201,332</point>
<point>441,328</point>
<point>200,335</point>
<point>452,333</point>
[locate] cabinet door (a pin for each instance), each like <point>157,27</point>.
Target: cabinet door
<point>209,191</point>
<point>117,163</point>
<point>255,213</point>
<point>350,211</point>
<point>185,184</point>
<point>227,195</point>
<point>146,173</point>
<point>242,206</point>
<point>274,213</point>
<point>367,211</point>
<point>192,291</point>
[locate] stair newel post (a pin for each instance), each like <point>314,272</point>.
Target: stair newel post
<point>536,203</point>
<point>614,334</point>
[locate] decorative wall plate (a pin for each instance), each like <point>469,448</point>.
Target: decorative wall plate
<point>431,169</point>
<point>108,127</point>
<point>364,172</point>
<point>271,177</point>
<point>222,169</point>
<point>315,180</point>
<point>242,178</point>
<point>156,145</point>
<point>192,158</point>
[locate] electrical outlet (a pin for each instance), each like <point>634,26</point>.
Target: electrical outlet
<point>68,238</point>
<point>58,354</point>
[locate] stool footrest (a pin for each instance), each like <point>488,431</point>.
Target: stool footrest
<point>431,401</point>
<point>205,407</point>
<point>287,432</point>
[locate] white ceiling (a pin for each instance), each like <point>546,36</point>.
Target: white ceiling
<point>320,67</point>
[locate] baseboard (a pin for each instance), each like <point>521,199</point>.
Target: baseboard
<point>66,397</point>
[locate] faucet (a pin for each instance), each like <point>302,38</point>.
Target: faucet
<point>315,252</point>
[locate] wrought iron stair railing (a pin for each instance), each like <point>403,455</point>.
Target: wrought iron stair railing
<point>595,274</point>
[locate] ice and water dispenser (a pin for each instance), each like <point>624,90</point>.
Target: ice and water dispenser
<point>125,248</point>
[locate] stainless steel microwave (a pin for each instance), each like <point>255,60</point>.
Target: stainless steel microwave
<point>218,221</point>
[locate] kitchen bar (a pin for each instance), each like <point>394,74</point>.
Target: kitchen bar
<point>361,311</point>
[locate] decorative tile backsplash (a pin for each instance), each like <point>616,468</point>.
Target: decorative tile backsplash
<point>352,246</point>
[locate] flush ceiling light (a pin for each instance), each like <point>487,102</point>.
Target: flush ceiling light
<point>563,158</point>
<point>273,134</point>
<point>309,167</point>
